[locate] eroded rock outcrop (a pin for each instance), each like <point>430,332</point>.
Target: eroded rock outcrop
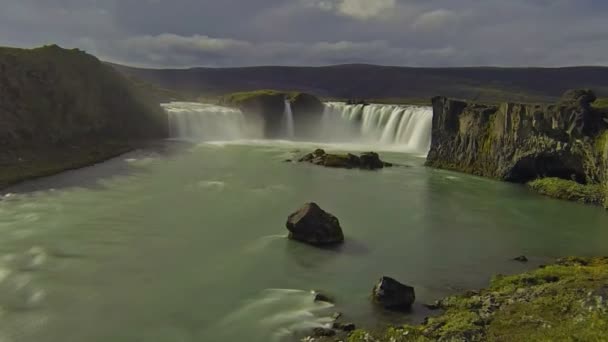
<point>269,106</point>
<point>313,225</point>
<point>365,161</point>
<point>521,142</point>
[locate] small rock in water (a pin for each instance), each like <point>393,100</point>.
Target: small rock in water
<point>344,326</point>
<point>393,295</point>
<point>323,332</point>
<point>521,258</point>
<point>336,315</point>
<point>312,225</point>
<point>320,297</point>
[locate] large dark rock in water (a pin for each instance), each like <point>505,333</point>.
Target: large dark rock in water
<point>521,142</point>
<point>393,295</point>
<point>313,225</point>
<point>366,161</point>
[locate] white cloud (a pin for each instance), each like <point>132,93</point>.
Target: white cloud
<point>358,9</point>
<point>436,20</point>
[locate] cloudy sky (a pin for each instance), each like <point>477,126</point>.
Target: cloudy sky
<point>182,33</point>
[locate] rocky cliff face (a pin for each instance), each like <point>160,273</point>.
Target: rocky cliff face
<point>269,105</point>
<point>522,142</point>
<point>53,96</point>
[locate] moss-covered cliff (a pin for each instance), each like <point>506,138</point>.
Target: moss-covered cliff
<point>522,142</point>
<point>54,100</point>
<point>269,105</point>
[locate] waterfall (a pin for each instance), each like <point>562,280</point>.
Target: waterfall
<point>288,119</point>
<point>403,128</point>
<point>406,127</point>
<point>206,122</point>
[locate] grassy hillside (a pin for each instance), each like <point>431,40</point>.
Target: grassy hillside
<point>64,108</point>
<point>384,83</point>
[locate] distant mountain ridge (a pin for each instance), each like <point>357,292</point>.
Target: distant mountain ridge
<point>492,84</point>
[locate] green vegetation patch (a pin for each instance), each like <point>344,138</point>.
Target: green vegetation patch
<point>569,190</point>
<point>601,103</point>
<point>567,301</point>
<point>240,97</point>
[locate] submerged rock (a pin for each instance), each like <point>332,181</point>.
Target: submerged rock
<point>313,225</point>
<point>521,258</point>
<point>366,161</point>
<point>393,295</point>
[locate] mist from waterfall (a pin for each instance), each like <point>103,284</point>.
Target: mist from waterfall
<point>206,122</point>
<point>377,126</point>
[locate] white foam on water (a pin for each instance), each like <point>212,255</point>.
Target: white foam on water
<point>284,313</point>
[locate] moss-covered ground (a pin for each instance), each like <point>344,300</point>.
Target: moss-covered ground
<point>569,190</point>
<point>566,301</point>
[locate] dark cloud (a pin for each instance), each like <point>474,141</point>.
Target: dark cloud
<point>181,33</point>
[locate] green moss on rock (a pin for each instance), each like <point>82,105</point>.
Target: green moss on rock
<point>569,190</point>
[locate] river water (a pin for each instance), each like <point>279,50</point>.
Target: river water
<point>186,242</point>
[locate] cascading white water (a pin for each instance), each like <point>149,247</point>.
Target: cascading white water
<point>206,122</point>
<point>288,118</point>
<point>407,127</point>
<point>404,128</point>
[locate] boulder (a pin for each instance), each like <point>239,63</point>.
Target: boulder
<point>313,225</point>
<point>321,297</point>
<point>371,161</point>
<point>393,295</point>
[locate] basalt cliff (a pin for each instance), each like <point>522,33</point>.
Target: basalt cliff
<point>523,142</point>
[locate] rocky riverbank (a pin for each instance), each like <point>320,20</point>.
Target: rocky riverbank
<point>566,301</point>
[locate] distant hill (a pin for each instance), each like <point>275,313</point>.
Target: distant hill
<point>383,82</point>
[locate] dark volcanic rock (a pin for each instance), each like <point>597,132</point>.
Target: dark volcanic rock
<point>321,297</point>
<point>367,161</point>
<point>521,258</point>
<point>323,332</point>
<point>520,142</point>
<point>393,295</point>
<point>313,225</point>
<point>344,326</point>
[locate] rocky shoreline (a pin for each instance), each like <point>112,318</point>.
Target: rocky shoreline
<point>24,165</point>
<point>565,301</point>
